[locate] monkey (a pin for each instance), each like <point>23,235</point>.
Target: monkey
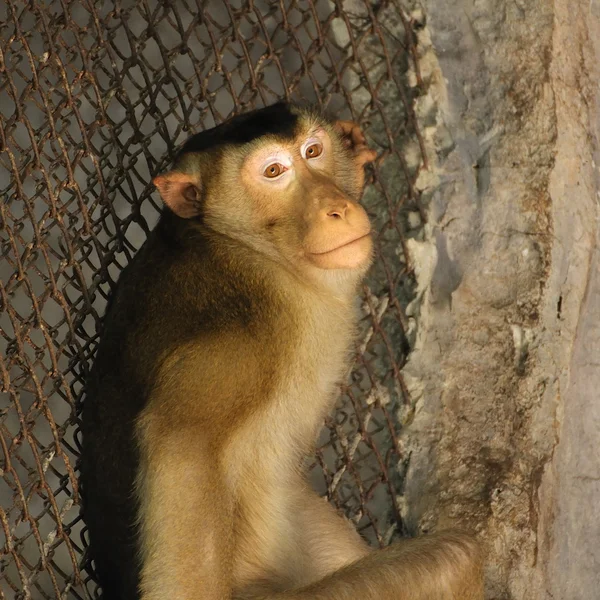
<point>222,348</point>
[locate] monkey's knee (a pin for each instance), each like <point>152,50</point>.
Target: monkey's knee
<point>459,565</point>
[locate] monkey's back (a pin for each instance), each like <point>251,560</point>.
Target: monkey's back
<point>173,290</point>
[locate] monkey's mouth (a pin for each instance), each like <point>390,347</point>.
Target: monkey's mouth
<point>345,245</point>
<point>350,255</point>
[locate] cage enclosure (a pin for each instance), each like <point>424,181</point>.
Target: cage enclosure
<point>95,97</point>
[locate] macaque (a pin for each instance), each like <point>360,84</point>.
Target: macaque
<point>221,354</point>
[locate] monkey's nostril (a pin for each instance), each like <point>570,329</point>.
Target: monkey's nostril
<point>335,214</point>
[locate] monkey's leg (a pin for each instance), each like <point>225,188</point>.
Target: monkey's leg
<point>328,541</point>
<point>328,560</point>
<point>185,520</point>
<point>313,541</point>
<point>445,566</point>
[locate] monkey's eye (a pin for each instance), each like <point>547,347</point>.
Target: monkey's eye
<point>314,150</point>
<point>273,170</point>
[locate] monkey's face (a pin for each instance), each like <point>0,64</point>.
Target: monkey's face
<point>301,196</point>
<point>293,197</point>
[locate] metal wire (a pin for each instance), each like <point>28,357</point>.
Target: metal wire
<point>94,99</point>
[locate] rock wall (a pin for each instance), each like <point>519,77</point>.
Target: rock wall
<point>505,369</point>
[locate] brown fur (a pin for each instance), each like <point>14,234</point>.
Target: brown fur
<point>247,341</point>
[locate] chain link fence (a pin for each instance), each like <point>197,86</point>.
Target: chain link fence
<point>95,97</point>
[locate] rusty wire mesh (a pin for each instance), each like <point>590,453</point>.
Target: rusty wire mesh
<point>94,98</point>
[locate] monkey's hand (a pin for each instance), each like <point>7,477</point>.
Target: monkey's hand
<point>354,139</point>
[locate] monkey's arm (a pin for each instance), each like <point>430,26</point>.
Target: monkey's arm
<point>185,516</point>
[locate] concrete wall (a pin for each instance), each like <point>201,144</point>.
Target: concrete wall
<point>505,372</point>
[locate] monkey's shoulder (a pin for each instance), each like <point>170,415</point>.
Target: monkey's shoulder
<point>179,288</point>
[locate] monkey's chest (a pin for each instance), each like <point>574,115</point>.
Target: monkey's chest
<point>269,448</point>
<point>307,391</point>
<point>289,420</point>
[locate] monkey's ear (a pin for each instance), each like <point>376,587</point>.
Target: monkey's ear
<point>180,192</point>
<point>354,139</point>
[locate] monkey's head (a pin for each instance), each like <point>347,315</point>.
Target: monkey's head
<point>282,180</point>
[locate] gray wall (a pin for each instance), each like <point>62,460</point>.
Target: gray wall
<point>505,371</point>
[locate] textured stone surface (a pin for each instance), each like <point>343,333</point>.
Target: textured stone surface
<point>505,370</point>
